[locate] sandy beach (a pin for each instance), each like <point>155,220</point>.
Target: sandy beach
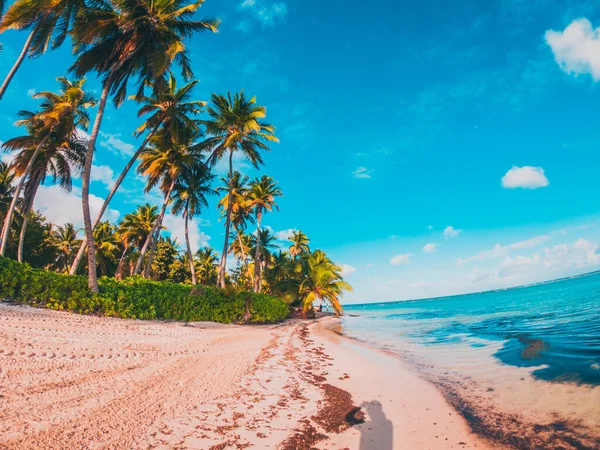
<point>70,381</point>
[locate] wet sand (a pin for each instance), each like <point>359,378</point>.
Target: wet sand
<point>70,381</point>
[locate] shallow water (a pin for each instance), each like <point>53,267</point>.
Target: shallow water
<point>532,351</point>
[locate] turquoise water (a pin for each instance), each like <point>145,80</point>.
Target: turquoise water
<point>553,328</point>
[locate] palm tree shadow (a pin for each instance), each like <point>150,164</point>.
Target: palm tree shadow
<point>378,432</point>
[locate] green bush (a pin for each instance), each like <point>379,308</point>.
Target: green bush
<point>135,298</point>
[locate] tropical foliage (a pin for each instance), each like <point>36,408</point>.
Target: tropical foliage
<point>183,140</point>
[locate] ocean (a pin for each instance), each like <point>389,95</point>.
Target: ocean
<point>530,354</point>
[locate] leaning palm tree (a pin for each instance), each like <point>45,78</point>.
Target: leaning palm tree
<point>64,238</point>
<point>241,246</point>
<point>134,230</point>
<point>189,197</point>
<point>170,109</point>
<point>235,125</point>
<point>261,198</point>
<point>121,40</point>
<point>299,243</point>
<point>49,22</point>
<point>51,131</point>
<point>7,189</point>
<point>163,162</point>
<point>322,280</point>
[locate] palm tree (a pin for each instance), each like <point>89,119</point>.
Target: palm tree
<point>189,197</point>
<point>52,131</point>
<point>107,244</point>
<point>170,110</point>
<point>206,265</point>
<point>235,126</point>
<point>134,230</point>
<point>299,243</point>
<point>124,39</point>
<point>236,190</point>
<point>163,162</point>
<point>65,240</point>
<point>261,198</point>
<point>49,22</point>
<point>322,280</point>
<point>7,189</point>
<point>241,245</point>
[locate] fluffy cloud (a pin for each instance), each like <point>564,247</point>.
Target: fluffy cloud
<point>176,228</point>
<point>116,145</point>
<point>526,177</point>
<point>430,247</point>
<point>362,172</point>
<point>239,163</point>
<point>450,232</point>
<point>400,260</point>
<point>347,270</point>
<point>104,174</point>
<point>284,235</point>
<point>266,12</point>
<point>31,92</point>
<point>499,251</point>
<point>577,48</point>
<point>61,207</point>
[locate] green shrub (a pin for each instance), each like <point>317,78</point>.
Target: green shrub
<point>135,298</point>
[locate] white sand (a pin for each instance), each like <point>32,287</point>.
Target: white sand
<point>70,381</point>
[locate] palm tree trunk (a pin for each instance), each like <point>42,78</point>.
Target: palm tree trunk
<point>81,251</point>
<point>237,232</point>
<point>154,241</point>
<point>11,210</point>
<point>189,247</point>
<point>85,190</point>
<point>257,252</point>
<point>19,60</point>
<point>221,277</point>
<point>26,212</point>
<point>156,225</point>
<point>120,265</point>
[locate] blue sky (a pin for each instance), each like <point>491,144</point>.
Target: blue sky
<point>397,120</point>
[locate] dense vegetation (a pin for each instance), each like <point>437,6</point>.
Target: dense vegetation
<point>182,140</point>
<point>135,298</point>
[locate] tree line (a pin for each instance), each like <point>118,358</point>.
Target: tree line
<point>143,42</point>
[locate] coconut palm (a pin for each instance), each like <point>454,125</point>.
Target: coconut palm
<point>134,230</point>
<point>163,162</point>
<point>235,125</point>
<point>237,191</point>
<point>107,245</point>
<point>261,198</point>
<point>241,246</point>
<point>189,197</point>
<point>7,189</point>
<point>51,143</point>
<point>122,40</point>
<point>49,22</point>
<point>206,265</point>
<point>170,109</point>
<point>299,243</point>
<point>322,280</point>
<point>64,238</point>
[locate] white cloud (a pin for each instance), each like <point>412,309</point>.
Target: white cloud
<point>347,270</point>
<point>104,174</point>
<point>266,12</point>
<point>400,260</point>
<point>499,251</point>
<point>526,177</point>
<point>430,247</point>
<point>430,227</point>
<point>31,92</point>
<point>577,48</point>
<point>362,172</point>
<point>284,235</point>
<point>61,207</point>
<point>82,134</point>
<point>450,232</point>
<point>239,163</point>
<point>176,228</point>
<point>116,145</point>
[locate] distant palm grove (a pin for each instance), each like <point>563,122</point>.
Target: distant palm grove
<point>137,50</point>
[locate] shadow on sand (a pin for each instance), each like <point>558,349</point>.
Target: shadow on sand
<point>378,432</point>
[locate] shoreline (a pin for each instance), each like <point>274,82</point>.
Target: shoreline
<point>68,380</point>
